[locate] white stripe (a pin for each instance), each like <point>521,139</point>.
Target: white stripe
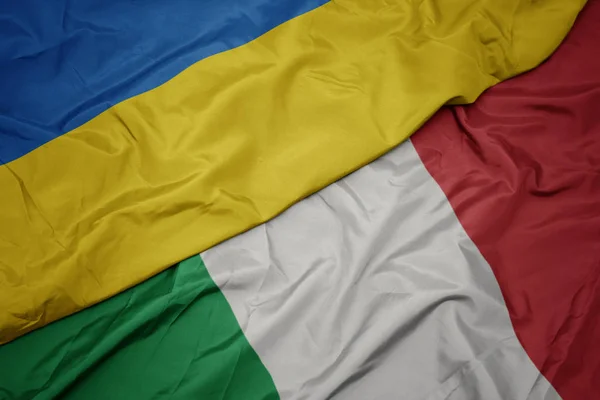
<point>371,289</point>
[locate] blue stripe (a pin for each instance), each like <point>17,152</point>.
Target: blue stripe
<point>64,62</point>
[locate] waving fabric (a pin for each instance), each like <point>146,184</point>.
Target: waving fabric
<point>461,265</point>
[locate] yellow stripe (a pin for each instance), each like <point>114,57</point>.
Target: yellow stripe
<point>238,137</point>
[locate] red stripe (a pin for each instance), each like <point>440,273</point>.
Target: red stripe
<point>521,168</point>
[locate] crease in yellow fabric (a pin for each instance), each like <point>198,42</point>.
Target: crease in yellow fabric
<point>238,137</point>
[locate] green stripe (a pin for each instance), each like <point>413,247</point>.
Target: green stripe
<point>173,336</point>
